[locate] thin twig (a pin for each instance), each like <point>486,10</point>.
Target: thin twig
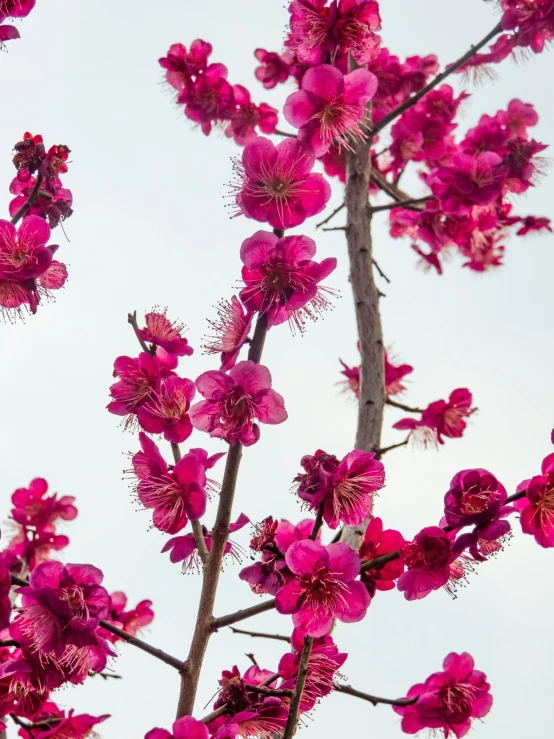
<point>226,708</point>
<point>132,319</point>
<point>298,688</point>
<point>279,692</point>
<point>197,532</point>
<point>332,215</point>
<point>288,135</point>
<point>348,690</point>
<point>383,275</point>
<point>407,408</point>
<point>30,200</point>
<point>411,101</point>
<point>383,450</point>
<point>244,613</point>
<point>408,204</point>
<point>48,723</point>
<point>335,228</point>
<point>260,634</point>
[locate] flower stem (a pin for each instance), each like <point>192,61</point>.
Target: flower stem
<point>407,408</point>
<point>233,618</point>
<point>373,698</point>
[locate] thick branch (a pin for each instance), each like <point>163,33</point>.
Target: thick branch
<point>261,635</point>
<point>373,698</point>
<point>30,200</point>
<point>435,81</point>
<point>244,613</point>
<point>294,709</point>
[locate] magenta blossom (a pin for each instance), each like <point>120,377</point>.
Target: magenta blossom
<point>277,184</point>
<point>15,8</point>
<point>234,401</point>
<point>183,548</point>
<point>473,498</point>
<point>441,418</point>
<point>131,621</point>
<point>230,331</point>
<point>67,726</point>
<point>183,66</point>
<point>23,251</point>
<point>375,543</point>
<point>428,559</point>
<point>330,106</point>
<point>62,605</point>
<point>274,68</point>
<point>31,507</point>
<point>394,374</point>
<point>184,728</point>
<point>325,587</point>
<point>174,496</point>
<point>248,116</point>
<point>166,411</point>
<point>448,700</point>
<point>210,99</point>
<point>537,507</point>
<point>282,280</point>
<point>160,331</point>
<point>138,379</point>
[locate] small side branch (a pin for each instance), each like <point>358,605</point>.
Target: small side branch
<point>243,614</point>
<point>373,699</point>
<point>132,319</point>
<point>261,635</point>
<point>379,452</point>
<point>332,215</point>
<point>148,648</point>
<point>408,204</point>
<point>407,408</point>
<point>294,709</point>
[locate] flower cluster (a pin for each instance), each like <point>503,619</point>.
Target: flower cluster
<point>537,507</point>
<point>209,99</point>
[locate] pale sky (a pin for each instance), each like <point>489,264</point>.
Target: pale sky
<point>150,228</point>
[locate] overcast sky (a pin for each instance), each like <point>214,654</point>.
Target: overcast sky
<point>149,228</point>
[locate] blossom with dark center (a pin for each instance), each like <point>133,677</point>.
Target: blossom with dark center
<point>175,495</point>
<point>375,543</point>
<point>160,331</point>
<point>325,587</point>
<point>330,107</point>
<point>248,116</point>
<point>138,379</point>
<point>23,251</point>
<point>277,185</point>
<point>235,401</point>
<point>449,700</point>
<point>281,279</point>
<point>166,410</point>
<point>474,497</point>
<point>427,559</point>
<point>274,68</point>
<point>537,507</point>
<point>440,418</point>
<point>230,331</point>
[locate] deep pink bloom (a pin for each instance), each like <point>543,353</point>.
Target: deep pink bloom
<point>274,68</point>
<point>394,375</point>
<point>468,181</point>
<point>210,99</point>
<point>531,20</point>
<point>352,382</point>
<point>8,33</point>
<point>440,418</point>
<point>184,728</point>
<point>166,410</point>
<point>474,497</point>
<point>537,508</point>
<point>375,543</point>
<point>282,280</point>
<point>428,559</point>
<point>61,606</point>
<point>330,106</point>
<point>138,379</point>
<point>36,546</point>
<point>175,496</point>
<point>534,223</point>
<point>324,662</point>
<point>487,538</point>
<point>131,621</point>
<point>325,587</point>
<point>318,32</point>
<point>15,8</point>
<point>277,184</point>
<point>160,331</point>
<point>264,720</point>
<point>248,116</point>
<point>32,508</point>
<point>183,548</point>
<point>68,726</point>
<point>230,331</point>
<point>234,401</point>
<point>23,251</point>
<point>448,700</point>
<point>183,66</point>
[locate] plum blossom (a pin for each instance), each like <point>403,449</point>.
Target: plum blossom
<point>183,548</point>
<point>330,106</point>
<point>166,410</point>
<point>138,379</point>
<point>375,543</point>
<point>230,331</point>
<point>161,331</point>
<point>474,497</point>
<point>184,728</point>
<point>537,507</point>
<point>184,65</point>
<point>274,68</point>
<point>248,116</point>
<point>234,401</point>
<point>63,725</point>
<point>277,185</point>
<point>325,587</point>
<point>282,280</point>
<point>448,700</point>
<point>440,418</point>
<point>427,558</point>
<point>23,251</point>
<point>131,621</point>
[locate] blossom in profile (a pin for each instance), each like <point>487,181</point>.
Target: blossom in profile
<point>440,418</point>
<point>281,279</point>
<point>137,380</point>
<point>235,401</point>
<point>537,507</point>
<point>62,724</point>
<point>132,621</point>
<point>229,331</point>
<point>330,107</point>
<point>184,728</point>
<point>248,116</point>
<point>375,543</point>
<point>161,331</point>
<point>274,68</point>
<point>325,587</point>
<point>448,701</point>
<point>277,185</point>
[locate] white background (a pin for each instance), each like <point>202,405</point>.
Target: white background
<point>150,228</point>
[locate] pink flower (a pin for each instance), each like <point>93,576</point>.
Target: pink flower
<point>474,497</point>
<point>234,401</point>
<point>278,186</point>
<point>468,181</point>
<point>183,66</point>
<point>537,508</point>
<point>160,331</point>
<point>62,605</point>
<point>131,621</point>
<point>330,106</point>
<point>448,700</point>
<point>248,116</point>
<point>375,543</point>
<point>352,382</point>
<point>441,418</point>
<point>166,410</point>
<point>138,380</point>
<point>394,375</point>
<point>184,728</point>
<point>175,496</point>
<point>324,662</point>
<point>8,33</point>
<point>210,98</point>
<point>531,20</point>
<point>428,559</point>
<point>15,8</point>
<point>325,587</point>
<point>23,252</point>
<point>281,279</point>
<point>33,509</point>
<point>274,68</point>
<point>231,329</point>
<point>68,726</point>
<point>265,720</point>
<point>183,548</point>
<point>534,223</point>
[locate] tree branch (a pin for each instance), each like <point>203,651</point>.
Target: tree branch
<point>132,319</point>
<point>299,688</point>
<point>196,525</point>
<point>347,690</point>
<point>243,614</point>
<point>332,215</point>
<point>407,408</point>
<point>435,82</point>
<point>379,452</point>
<point>408,204</point>
<point>222,710</point>
<point>30,200</point>
<point>261,635</point>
